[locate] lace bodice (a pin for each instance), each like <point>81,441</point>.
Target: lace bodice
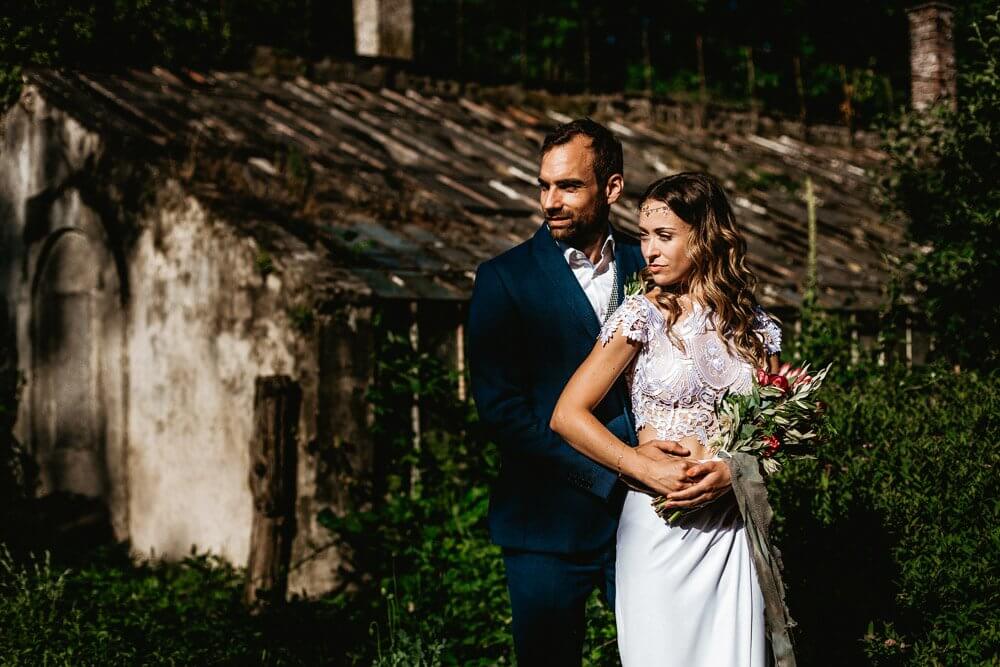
<point>676,391</point>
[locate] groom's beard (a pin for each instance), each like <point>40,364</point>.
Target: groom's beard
<point>585,226</point>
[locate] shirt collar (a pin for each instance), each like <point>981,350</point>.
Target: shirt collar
<point>574,256</point>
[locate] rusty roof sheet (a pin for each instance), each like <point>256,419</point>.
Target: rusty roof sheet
<point>408,192</point>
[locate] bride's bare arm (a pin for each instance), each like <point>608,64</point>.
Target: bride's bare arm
<point>574,420</point>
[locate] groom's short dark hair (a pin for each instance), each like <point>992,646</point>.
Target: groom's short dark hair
<point>607,149</point>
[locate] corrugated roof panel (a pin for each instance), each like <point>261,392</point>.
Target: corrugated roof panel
<point>408,189</point>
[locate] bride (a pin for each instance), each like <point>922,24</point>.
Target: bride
<point>686,594</point>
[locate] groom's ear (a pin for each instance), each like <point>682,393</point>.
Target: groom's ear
<point>614,188</point>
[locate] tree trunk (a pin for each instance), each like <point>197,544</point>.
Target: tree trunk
<point>699,43</point>
<point>524,44</point>
<point>847,106</point>
<point>272,483</point>
<point>800,89</point>
<point>459,36</point>
<point>752,88</point>
<point>647,59</point>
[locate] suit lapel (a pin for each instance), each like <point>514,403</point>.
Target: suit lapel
<point>555,267</point>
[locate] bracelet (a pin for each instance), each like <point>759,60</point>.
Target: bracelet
<point>618,464</point>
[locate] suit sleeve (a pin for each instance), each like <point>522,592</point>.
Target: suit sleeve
<point>499,387</point>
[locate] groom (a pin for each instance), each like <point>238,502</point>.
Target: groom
<point>536,313</point>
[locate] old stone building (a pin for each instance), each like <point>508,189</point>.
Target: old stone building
<point>168,237</point>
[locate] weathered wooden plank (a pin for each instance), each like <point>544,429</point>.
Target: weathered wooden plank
<point>273,450</point>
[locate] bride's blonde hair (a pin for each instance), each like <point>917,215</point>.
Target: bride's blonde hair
<point>720,277</point>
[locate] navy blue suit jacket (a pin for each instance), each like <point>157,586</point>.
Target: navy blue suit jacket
<point>530,328</point>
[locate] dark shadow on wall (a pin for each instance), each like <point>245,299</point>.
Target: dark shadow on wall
<point>73,407</point>
<point>17,470</point>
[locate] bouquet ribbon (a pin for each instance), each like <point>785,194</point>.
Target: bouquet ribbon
<point>751,495</point>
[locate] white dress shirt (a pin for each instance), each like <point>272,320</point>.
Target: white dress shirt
<point>597,281</point>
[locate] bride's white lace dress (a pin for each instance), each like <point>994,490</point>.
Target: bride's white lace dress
<point>685,595</point>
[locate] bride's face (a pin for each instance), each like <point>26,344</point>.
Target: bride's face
<point>664,240</point>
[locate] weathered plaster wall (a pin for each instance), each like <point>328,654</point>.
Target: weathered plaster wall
<point>41,148</point>
<point>203,323</point>
<point>54,246</point>
<point>144,327</point>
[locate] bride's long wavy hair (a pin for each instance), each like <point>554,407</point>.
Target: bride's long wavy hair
<point>720,277</point>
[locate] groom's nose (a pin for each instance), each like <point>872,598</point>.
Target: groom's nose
<point>551,201</point>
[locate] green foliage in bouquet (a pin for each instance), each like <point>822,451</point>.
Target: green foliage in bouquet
<point>778,419</point>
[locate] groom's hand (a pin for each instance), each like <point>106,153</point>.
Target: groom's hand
<point>716,479</point>
<point>662,468</point>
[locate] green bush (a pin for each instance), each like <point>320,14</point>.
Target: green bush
<point>422,549</point>
<point>942,180</point>
<point>890,540</point>
<point>890,537</point>
<point>106,611</point>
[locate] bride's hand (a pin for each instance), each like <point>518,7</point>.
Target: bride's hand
<point>716,480</point>
<point>661,449</point>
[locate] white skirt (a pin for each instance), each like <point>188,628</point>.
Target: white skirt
<point>687,595</point>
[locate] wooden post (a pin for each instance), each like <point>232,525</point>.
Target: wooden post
<point>460,360</point>
<point>415,404</point>
<point>273,450</point>
<point>855,340</point>
<point>909,342</point>
<point>812,279</point>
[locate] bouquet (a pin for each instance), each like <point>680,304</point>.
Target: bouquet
<point>779,419</point>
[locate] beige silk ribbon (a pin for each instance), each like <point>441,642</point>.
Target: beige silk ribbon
<point>751,495</point>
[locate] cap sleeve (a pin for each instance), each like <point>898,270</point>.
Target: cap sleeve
<point>767,330</point>
<point>631,319</point>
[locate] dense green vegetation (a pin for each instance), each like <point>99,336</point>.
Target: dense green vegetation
<point>106,611</point>
<point>795,57</point>
<point>943,181</point>
<point>890,540</point>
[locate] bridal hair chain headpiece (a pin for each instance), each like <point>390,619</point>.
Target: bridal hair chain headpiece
<point>650,210</point>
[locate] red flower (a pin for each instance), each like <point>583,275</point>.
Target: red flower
<point>779,381</point>
<point>763,379</point>
<point>771,446</point>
